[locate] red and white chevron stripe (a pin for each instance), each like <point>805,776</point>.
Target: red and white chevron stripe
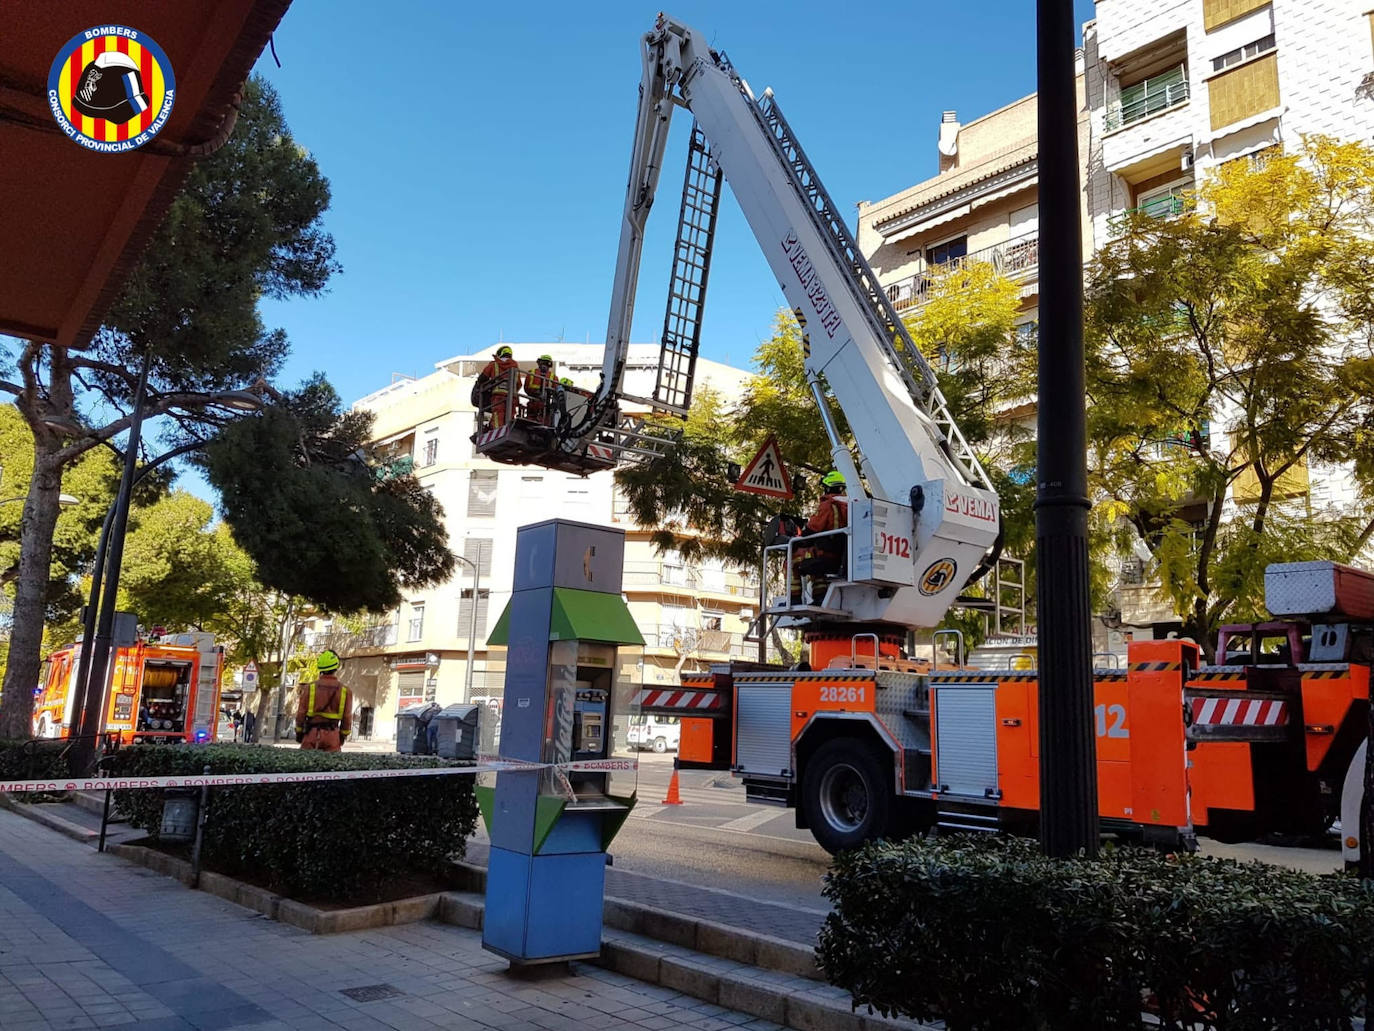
<point>1240,712</point>
<point>605,454</point>
<point>496,434</point>
<point>696,700</point>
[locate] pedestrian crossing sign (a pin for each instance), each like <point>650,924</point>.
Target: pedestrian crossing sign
<point>765,474</point>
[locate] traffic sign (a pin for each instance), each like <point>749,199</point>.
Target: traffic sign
<point>765,474</point>
<point>250,674</point>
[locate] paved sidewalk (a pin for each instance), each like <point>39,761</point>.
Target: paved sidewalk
<point>88,940</point>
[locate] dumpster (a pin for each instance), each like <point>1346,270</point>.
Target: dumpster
<point>412,729</point>
<point>456,731</point>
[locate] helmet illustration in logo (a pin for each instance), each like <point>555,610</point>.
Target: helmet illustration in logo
<point>111,87</point>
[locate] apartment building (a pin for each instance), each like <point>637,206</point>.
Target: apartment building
<point>1177,89</point>
<point>689,614</point>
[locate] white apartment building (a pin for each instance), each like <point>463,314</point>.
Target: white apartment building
<point>1180,87</point>
<point>688,614</point>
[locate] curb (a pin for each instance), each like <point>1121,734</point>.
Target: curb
<point>749,947</point>
<point>52,821</point>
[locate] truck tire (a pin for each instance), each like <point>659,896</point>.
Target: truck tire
<point>660,744</point>
<point>846,798</point>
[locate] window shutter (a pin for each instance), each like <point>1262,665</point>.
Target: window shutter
<point>482,493</point>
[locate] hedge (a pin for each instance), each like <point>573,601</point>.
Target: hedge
<point>33,760</point>
<point>987,933</point>
<point>331,842</point>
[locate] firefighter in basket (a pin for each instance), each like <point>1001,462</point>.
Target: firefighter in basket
<point>324,714</point>
<point>491,391</point>
<point>542,386</point>
<point>827,556</point>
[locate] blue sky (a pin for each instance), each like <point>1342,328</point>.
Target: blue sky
<point>478,156</point>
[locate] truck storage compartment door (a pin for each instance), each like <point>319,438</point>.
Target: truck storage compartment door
<point>763,729</point>
<point>966,739</point>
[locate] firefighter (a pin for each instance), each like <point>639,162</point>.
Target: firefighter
<point>827,556</point>
<point>324,716</point>
<point>541,385</point>
<point>491,392</point>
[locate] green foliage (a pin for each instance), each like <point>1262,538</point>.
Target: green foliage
<point>33,760</point>
<point>989,934</point>
<point>92,480</point>
<point>297,490</point>
<point>327,841</point>
<point>1228,351</point>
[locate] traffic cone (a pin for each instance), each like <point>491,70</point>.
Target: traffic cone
<point>673,797</point>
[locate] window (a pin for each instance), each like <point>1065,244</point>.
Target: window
<point>431,452</point>
<point>674,569</point>
<point>417,621</point>
<point>478,551</point>
<point>482,493</point>
<point>1165,201</point>
<point>1244,91</point>
<point>465,612</point>
<point>410,688</point>
<point>1235,57</point>
<point>712,620</point>
<point>1149,97</point>
<point>950,250</point>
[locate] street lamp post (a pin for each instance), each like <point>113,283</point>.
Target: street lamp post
<point>476,568</point>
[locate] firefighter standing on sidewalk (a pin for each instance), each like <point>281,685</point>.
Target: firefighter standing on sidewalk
<point>324,716</point>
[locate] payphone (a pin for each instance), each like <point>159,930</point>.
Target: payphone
<point>550,825</point>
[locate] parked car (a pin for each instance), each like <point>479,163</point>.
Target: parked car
<point>661,733</point>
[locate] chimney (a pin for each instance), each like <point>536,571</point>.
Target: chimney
<point>949,140</point>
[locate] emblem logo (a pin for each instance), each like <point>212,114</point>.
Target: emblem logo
<point>938,576</point>
<point>111,89</point>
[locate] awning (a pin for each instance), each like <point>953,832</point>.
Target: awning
<point>580,615</point>
<point>924,226</point>
<point>76,222</point>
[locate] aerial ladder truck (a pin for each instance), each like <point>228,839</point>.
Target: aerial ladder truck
<point>868,743</point>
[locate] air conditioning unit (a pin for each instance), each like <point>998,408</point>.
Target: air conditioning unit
<point>1187,161</point>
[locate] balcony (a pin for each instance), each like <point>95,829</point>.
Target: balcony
<point>1160,94</point>
<point>1167,206</point>
<point>1016,259</point>
<point>697,641</point>
<point>352,642</point>
<point>639,576</point>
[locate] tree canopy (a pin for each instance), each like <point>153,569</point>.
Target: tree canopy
<point>1230,358</point>
<point>301,496</point>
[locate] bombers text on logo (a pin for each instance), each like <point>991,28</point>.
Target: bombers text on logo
<point>111,89</point>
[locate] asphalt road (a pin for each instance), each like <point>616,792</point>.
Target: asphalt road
<point>717,839</point>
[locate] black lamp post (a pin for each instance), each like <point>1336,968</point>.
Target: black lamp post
<point>1068,765</point>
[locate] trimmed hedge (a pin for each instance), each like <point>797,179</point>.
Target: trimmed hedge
<point>28,760</point>
<point>986,933</point>
<point>333,842</point>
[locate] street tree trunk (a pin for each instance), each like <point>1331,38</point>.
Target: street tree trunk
<point>30,594</point>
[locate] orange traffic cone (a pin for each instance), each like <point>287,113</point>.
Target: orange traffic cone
<point>673,797</point>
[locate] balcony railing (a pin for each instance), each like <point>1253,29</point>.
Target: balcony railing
<point>1158,96</point>
<point>655,574</point>
<point>1016,258</point>
<point>696,641</point>
<point>1160,207</point>
<point>347,642</point>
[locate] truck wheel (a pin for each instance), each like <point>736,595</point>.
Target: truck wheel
<point>845,796</point>
<point>660,744</point>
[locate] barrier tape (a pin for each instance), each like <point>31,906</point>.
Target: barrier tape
<point>230,780</point>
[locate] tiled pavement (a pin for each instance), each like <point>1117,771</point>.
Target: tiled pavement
<point>88,940</point>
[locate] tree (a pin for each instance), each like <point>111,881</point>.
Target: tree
<point>300,492</point>
<point>1230,349</point>
<point>245,225</point>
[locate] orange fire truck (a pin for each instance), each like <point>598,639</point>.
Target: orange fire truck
<point>164,689</point>
<point>1270,739</point>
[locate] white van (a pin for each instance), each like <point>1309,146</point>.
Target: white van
<point>661,733</point>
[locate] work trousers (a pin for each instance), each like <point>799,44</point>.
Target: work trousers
<point>322,739</point>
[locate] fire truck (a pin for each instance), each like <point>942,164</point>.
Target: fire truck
<point>867,743</point>
<point>161,690</point>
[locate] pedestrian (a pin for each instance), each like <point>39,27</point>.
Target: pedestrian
<point>540,385</point>
<point>324,716</point>
<point>491,392</point>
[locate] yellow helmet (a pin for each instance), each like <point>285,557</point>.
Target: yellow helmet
<point>504,352</point>
<point>327,662</point>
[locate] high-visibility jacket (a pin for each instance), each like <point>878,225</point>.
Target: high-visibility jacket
<point>540,385</point>
<point>496,374</point>
<point>831,514</point>
<point>325,704</point>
